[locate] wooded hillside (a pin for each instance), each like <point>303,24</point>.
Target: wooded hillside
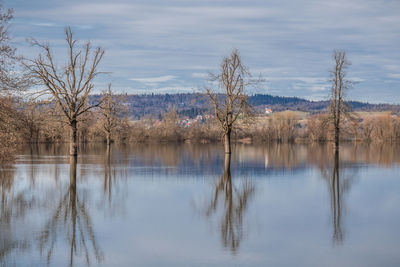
<point>193,104</point>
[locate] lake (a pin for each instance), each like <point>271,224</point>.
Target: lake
<point>189,205</point>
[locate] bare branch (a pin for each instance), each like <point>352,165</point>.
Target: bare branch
<point>71,85</point>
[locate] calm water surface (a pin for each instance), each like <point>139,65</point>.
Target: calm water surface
<point>188,205</point>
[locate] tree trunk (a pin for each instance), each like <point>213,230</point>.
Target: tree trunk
<point>227,165</point>
<point>227,141</point>
<point>336,201</point>
<point>73,145</point>
<point>337,131</point>
<point>72,203</point>
<point>72,171</point>
<point>108,138</point>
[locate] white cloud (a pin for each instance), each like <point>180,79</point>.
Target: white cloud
<point>166,90</point>
<point>202,75</point>
<point>394,75</point>
<point>154,80</point>
<point>317,88</point>
<point>301,79</point>
<point>392,67</point>
<point>356,79</point>
<point>43,24</point>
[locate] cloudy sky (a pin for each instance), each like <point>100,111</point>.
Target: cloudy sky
<point>165,46</point>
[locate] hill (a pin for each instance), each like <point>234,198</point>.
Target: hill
<point>193,104</point>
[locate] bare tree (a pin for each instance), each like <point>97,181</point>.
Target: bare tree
<point>70,85</point>
<point>340,84</point>
<point>11,76</point>
<point>112,112</point>
<point>232,79</point>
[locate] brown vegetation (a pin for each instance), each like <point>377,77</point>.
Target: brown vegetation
<point>9,130</point>
<point>36,123</point>
<point>232,79</point>
<point>112,113</point>
<point>70,86</point>
<point>11,81</point>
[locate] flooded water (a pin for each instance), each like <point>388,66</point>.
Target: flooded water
<point>188,205</point>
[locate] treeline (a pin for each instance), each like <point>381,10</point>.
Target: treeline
<point>39,123</point>
<point>193,104</point>
<point>11,128</point>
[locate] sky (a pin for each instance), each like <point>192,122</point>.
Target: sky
<point>163,46</point>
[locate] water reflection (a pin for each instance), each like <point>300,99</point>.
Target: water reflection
<point>71,218</point>
<point>108,175</point>
<point>339,184</point>
<point>181,158</point>
<point>233,201</point>
<point>114,189</point>
<point>13,207</point>
<point>67,205</point>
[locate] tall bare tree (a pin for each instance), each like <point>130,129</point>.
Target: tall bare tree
<point>232,79</point>
<point>68,86</point>
<point>340,84</point>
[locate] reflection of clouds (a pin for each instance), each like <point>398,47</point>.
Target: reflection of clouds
<point>158,208</point>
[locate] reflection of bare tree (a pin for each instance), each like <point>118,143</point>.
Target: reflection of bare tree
<point>72,217</point>
<point>108,181</point>
<point>114,193</point>
<point>173,155</point>
<point>13,208</point>
<point>335,201</point>
<point>235,202</point>
<point>338,186</point>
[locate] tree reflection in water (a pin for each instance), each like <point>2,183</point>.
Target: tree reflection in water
<point>22,200</point>
<point>338,186</point>
<point>335,201</point>
<point>13,207</point>
<point>114,191</point>
<point>72,218</point>
<point>235,201</point>
<point>108,181</point>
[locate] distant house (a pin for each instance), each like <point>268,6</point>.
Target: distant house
<point>268,111</point>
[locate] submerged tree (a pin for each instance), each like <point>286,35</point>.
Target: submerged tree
<point>68,86</point>
<point>340,84</point>
<point>232,79</point>
<point>112,112</point>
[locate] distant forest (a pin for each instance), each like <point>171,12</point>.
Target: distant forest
<point>193,104</point>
